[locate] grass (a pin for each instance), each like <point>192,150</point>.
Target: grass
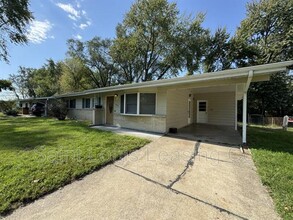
<point>272,151</point>
<point>39,156</point>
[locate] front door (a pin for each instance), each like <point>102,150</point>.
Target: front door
<point>109,110</point>
<point>202,111</point>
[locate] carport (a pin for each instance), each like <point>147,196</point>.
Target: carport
<point>205,107</point>
<point>218,134</point>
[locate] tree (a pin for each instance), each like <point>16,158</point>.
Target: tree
<point>217,56</point>
<point>268,29</point>
<point>14,16</point>
<point>23,82</point>
<point>191,43</point>
<point>45,80</point>
<point>96,56</point>
<point>274,97</point>
<point>145,48</point>
<point>5,84</point>
<point>42,82</point>
<point>75,76</point>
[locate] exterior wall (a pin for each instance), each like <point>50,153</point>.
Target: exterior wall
<point>81,114</point>
<point>171,110</point>
<point>145,123</point>
<point>153,123</point>
<point>177,108</point>
<point>221,107</point>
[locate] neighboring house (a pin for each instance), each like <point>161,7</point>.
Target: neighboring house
<point>157,106</point>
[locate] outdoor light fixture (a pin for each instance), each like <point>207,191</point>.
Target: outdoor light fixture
<point>116,95</point>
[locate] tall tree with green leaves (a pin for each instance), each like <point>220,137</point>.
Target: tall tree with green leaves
<point>268,29</point>
<point>14,17</point>
<point>191,41</point>
<point>45,80</point>
<point>95,54</point>
<point>75,76</point>
<point>22,81</point>
<point>145,47</point>
<point>42,82</point>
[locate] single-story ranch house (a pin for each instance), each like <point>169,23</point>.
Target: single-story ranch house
<point>157,106</point>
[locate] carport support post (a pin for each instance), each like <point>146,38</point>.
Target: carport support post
<point>46,108</point>
<point>244,118</point>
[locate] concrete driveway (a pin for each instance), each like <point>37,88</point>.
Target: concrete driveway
<point>170,178</point>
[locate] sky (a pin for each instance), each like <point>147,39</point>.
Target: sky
<point>56,21</point>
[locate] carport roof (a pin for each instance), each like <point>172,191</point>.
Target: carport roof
<point>259,70</point>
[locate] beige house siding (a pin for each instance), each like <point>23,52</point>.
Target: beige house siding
<point>81,114</point>
<point>153,123</point>
<point>221,107</point>
<point>177,108</point>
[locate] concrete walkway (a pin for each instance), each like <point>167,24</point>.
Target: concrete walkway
<point>169,178</point>
<point>131,132</point>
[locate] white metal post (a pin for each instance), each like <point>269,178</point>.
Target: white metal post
<point>236,108</point>
<point>244,121</point>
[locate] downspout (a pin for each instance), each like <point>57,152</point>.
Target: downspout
<point>244,112</point>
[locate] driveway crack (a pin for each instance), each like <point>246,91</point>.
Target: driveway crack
<point>188,165</point>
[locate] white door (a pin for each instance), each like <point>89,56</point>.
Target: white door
<point>202,111</point>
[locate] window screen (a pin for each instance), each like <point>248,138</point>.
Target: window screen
<point>131,103</point>
<point>147,103</point>
<point>122,104</point>
<point>202,106</point>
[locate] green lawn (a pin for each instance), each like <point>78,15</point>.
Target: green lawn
<point>272,151</point>
<point>37,156</point>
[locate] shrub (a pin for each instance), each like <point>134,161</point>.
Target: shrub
<point>58,109</point>
<point>7,105</point>
<point>11,112</point>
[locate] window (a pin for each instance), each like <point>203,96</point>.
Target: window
<point>122,103</point>
<point>138,103</point>
<point>86,103</point>
<point>147,103</point>
<point>202,106</point>
<point>131,103</point>
<point>72,103</point>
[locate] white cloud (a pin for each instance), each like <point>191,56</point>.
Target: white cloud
<point>72,17</point>
<point>83,26</point>
<point>76,13</point>
<point>72,12</point>
<point>79,37</point>
<point>38,31</point>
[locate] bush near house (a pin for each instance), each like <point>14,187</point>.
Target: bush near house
<point>40,155</point>
<point>272,151</point>
<point>8,108</point>
<point>58,109</point>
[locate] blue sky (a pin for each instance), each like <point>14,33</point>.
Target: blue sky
<point>58,20</point>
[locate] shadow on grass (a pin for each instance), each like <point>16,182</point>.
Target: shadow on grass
<point>276,140</point>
